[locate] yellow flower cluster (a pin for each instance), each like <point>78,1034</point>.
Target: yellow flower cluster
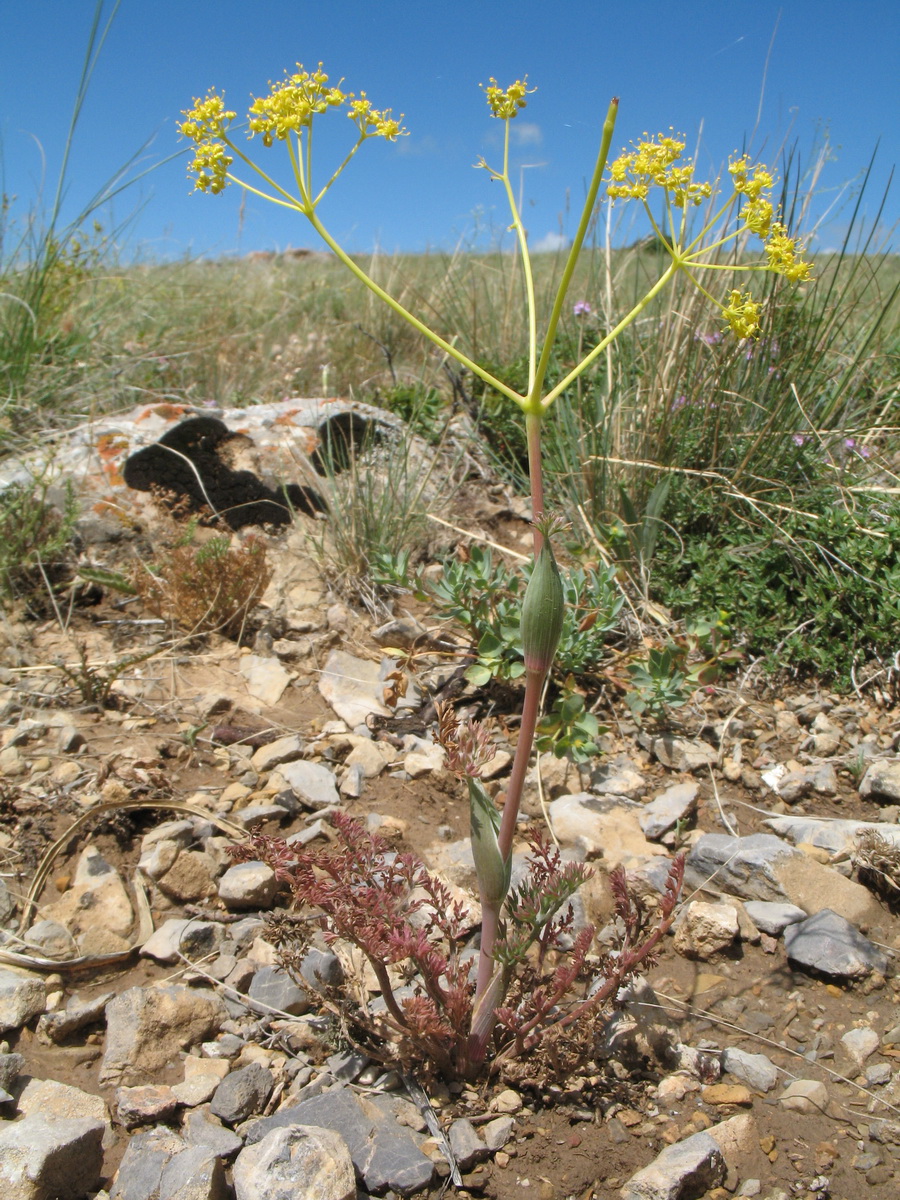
<point>652,163</point>
<point>206,125</point>
<point>782,251</point>
<point>289,108</point>
<point>505,103</point>
<point>742,314</point>
<point>373,122</point>
<point>291,105</point>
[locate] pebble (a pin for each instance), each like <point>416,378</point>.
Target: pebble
<point>248,885</point>
<point>830,945</point>
<point>300,1160</point>
<point>805,1096</point>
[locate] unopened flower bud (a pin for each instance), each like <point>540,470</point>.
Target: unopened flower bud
<point>543,610</point>
<point>491,868</point>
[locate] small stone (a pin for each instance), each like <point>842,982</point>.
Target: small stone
<point>860,1044</point>
<point>191,877</point>
<point>175,938</point>
<point>773,917</point>
<point>704,929</point>
<point>266,678</point>
<point>282,750</point>
<point>149,1027</point>
<point>313,783</point>
<point>248,885</point>
<point>726,1093</point>
<point>506,1101</point>
<point>829,944</point>
<point>22,996</point>
<point>144,1105</point>
<point>52,940</point>
<point>60,1158</point>
<point>242,1094</point>
<point>273,987</point>
<point>666,810</point>
<point>300,1160</point>
<point>498,1132</point>
<point>882,781</point>
<point>805,1096</point>
<point>755,1070</point>
<point>196,1089</point>
<point>468,1148</point>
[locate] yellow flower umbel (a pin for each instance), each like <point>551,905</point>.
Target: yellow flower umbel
<point>285,115</point>
<point>656,162</point>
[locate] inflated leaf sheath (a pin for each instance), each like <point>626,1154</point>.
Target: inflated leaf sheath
<point>543,610</point>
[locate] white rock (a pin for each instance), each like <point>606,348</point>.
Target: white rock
<point>313,782</point>
<point>22,996</point>
<point>282,750</point>
<point>703,929</point>
<point>608,826</point>
<point>860,1044</point>
<point>266,678</point>
<point>60,1158</point>
<point>805,1096</point>
<point>353,687</point>
<point>299,1160</point>
<point>248,885</point>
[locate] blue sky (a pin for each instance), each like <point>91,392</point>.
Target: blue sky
<point>761,75</point>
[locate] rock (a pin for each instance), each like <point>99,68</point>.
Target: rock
<point>191,938</point>
<point>140,1172</point>
<point>97,900</point>
<point>282,750</point>
<point>703,929</point>
<point>296,1161</point>
<point>726,1093</point>
<point>321,968</point>
<point>829,944</point>
<point>679,754</point>
<point>194,1174</point>
<point>772,917</point>
<point>755,1070</point>
<point>384,1155</point>
<point>148,1027</point>
<point>425,757</point>
<point>506,1101</point>
<point>191,876</point>
<point>835,836</point>
<point>860,1044</point>
<point>689,1168</point>
<point>201,1128</point>
<point>266,678</point>
<point>882,781</point>
<point>468,1148</point>
<point>242,1094</point>
<point>762,867</point>
<point>144,1105</point>
<point>22,996</point>
<point>196,1089</point>
<point>826,736</point>
<point>11,1066</point>
<point>60,1102</point>
<point>52,940</point>
<point>618,778</point>
<point>370,757</point>
<point>313,783</point>
<point>816,779</point>
<point>248,885</point>
<point>665,811</point>
<point>403,633</point>
<point>60,1158</point>
<point>808,1096</point>
<point>57,1026</point>
<point>353,687</point>
<point>274,988</point>
<point>605,826</point>
<point>498,1132</point>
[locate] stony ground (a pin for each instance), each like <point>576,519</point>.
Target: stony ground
<point>154,1047</point>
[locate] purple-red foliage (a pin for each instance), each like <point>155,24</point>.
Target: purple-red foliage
<point>391,907</point>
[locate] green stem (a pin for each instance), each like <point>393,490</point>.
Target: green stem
<point>569,269</point>
<point>526,262</point>
<point>398,308</point>
<point>667,275</point>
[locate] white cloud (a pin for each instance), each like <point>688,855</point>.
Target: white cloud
<point>525,133</point>
<point>550,241</point>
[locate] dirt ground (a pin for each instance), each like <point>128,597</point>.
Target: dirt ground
<point>582,1138</point>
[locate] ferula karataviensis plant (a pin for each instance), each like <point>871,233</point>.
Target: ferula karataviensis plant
<point>286,119</point>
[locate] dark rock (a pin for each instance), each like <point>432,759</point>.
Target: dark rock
<point>829,944</point>
<point>242,1093</point>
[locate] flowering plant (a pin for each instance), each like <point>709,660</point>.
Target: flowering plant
<point>288,116</point>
